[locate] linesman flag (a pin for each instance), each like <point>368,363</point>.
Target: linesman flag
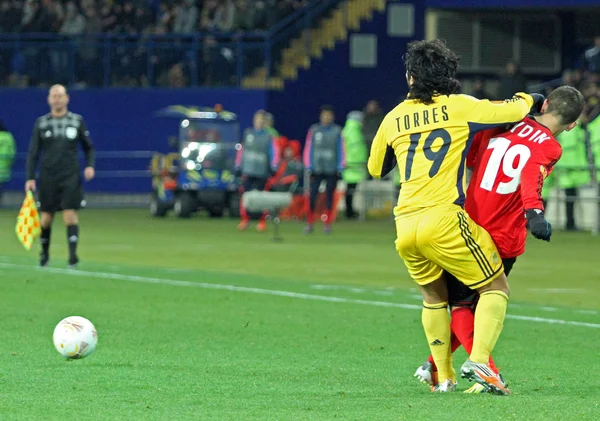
<point>28,222</point>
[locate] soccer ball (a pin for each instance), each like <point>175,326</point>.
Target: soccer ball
<point>75,337</point>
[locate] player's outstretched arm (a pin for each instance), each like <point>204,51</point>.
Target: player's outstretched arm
<point>382,158</point>
<point>484,114</point>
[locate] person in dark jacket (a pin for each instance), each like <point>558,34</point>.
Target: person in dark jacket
<point>512,81</point>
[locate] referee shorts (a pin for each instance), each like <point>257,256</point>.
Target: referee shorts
<point>57,194</point>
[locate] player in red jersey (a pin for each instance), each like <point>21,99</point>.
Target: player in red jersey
<point>504,196</point>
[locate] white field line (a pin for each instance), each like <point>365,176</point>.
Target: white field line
<point>261,291</point>
<point>559,290</point>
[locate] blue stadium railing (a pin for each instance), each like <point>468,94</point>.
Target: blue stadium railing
<point>213,59</point>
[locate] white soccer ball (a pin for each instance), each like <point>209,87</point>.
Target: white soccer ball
<point>75,337</point>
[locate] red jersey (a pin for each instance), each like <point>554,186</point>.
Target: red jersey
<point>509,166</point>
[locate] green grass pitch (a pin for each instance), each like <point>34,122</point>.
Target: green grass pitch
<point>197,321</point>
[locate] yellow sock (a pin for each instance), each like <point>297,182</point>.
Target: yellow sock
<point>436,323</point>
<point>489,320</point>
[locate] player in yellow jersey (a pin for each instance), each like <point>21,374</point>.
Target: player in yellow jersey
<point>428,135</point>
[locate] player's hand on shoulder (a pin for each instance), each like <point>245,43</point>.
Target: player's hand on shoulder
<point>538,225</point>
<point>89,173</point>
<point>538,103</point>
<point>29,185</point>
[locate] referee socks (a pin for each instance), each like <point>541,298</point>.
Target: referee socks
<point>73,238</point>
<point>45,240</point>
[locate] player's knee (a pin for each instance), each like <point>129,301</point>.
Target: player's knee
<point>435,292</point>
<point>46,219</point>
<point>500,283</point>
<point>70,217</point>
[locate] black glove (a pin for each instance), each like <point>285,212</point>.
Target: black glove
<point>539,227</point>
<point>238,172</point>
<point>538,101</point>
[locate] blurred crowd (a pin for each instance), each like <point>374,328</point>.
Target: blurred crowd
<point>132,62</point>
<point>72,17</point>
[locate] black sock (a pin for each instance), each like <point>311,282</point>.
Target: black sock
<point>72,237</point>
<point>45,239</point>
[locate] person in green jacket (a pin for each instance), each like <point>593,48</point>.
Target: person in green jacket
<point>593,129</point>
<point>572,169</point>
<point>356,158</point>
<point>269,125</point>
<point>7,156</point>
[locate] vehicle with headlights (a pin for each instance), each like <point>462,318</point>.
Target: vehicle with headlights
<point>202,175</point>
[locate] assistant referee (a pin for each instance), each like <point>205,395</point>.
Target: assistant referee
<point>55,138</point>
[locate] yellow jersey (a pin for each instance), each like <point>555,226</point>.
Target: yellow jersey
<point>429,144</point>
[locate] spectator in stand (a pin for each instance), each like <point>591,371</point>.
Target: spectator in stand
<point>247,16</point>
<point>589,89</point>
<point>207,17</point>
<point>109,17</point>
<point>89,54</point>
<point>512,81</point>
<point>73,25</point>
<point>578,77</point>
<point>166,16</point>
<point>10,16</point>
<point>143,20</point>
<point>225,16</point>
<point>186,17</point>
<point>592,56</point>
<point>479,91</point>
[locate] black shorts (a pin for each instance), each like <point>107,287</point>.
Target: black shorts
<point>461,295</point>
<point>57,194</point>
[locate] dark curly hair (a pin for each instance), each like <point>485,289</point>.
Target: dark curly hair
<point>433,67</point>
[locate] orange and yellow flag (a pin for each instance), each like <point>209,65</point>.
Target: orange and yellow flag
<point>28,222</point>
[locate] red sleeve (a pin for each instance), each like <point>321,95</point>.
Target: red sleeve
<point>536,170</point>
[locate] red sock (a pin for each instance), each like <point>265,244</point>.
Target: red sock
<point>263,217</point>
<point>243,213</point>
<point>455,346</point>
<point>463,326</point>
<point>310,218</point>
<point>328,217</point>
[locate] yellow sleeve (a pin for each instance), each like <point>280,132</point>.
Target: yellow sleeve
<point>484,114</point>
<point>382,158</point>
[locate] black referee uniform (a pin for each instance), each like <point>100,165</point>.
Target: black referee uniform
<point>55,140</point>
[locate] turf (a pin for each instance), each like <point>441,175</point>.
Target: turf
<point>197,321</point>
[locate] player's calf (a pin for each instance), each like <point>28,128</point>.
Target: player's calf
<point>46,230</point>
<point>71,221</point>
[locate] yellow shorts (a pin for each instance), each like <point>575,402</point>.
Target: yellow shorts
<point>446,238</point>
